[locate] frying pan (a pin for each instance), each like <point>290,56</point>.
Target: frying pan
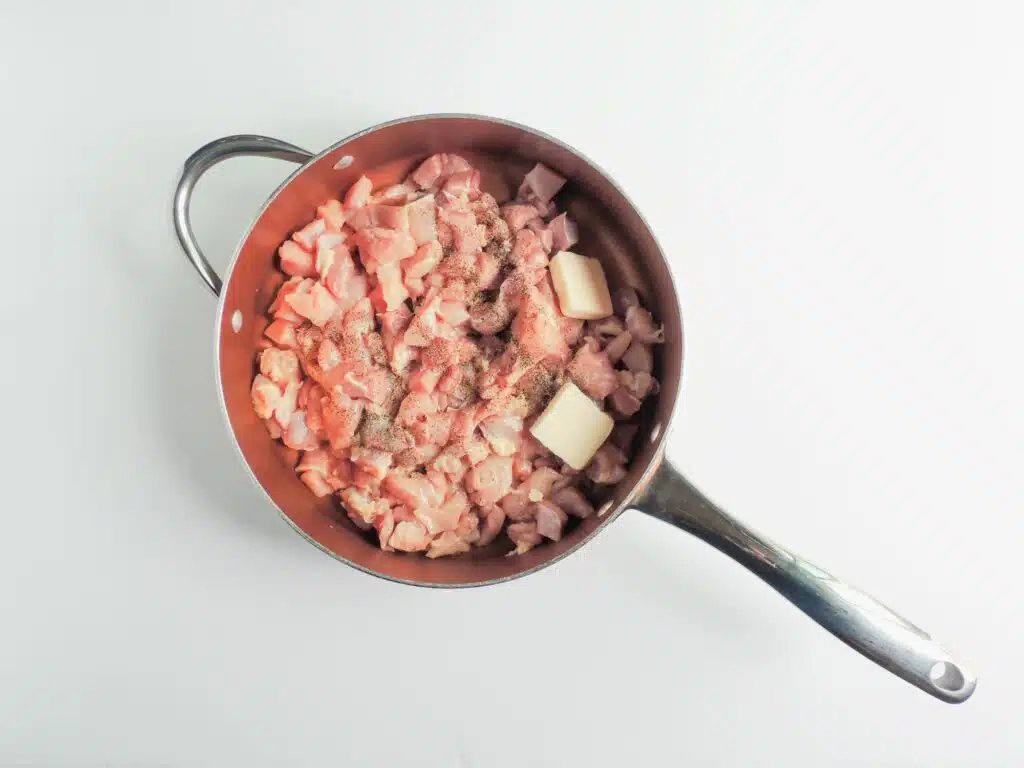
<point>611,229</point>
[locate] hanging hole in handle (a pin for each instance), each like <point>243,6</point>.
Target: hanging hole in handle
<point>344,162</point>
<point>236,320</point>
<point>946,677</point>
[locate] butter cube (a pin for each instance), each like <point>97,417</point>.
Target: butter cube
<point>572,427</point>
<point>581,286</point>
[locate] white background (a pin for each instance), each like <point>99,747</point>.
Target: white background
<point>840,189</point>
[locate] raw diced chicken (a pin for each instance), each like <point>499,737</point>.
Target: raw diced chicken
<point>415,287</point>
<point>564,233</point>
<point>358,194</point>
<point>405,192</point>
<point>543,233</point>
<point>517,215</point>
<point>488,271</point>
<point>429,172</point>
<point>415,408</point>
<point>341,415</point>
<point>522,467</point>
<point>417,456</point>
<point>423,327</point>
<point>390,292</point>
<point>380,246</point>
<point>572,501</point>
<point>502,433</point>
<point>624,404</point>
<point>423,220</point>
<point>411,489</point>
<point>282,333</point>
<point>468,236</point>
<point>448,543</point>
<point>383,393</point>
<point>468,528</point>
<point>388,216</point>
<point>446,516</point>
<point>265,396</point>
<point>618,346</point>
<point>318,305</point>
<point>361,505</point>
<point>358,322</point>
<point>296,260</point>
<point>493,522</point>
<point>490,318</point>
<point>384,523</point>
<point>279,308</point>
<point>536,329</point>
<point>517,506</point>
<point>309,234</point>
<point>280,366</point>
<point>639,384</point>
<point>297,435</point>
<point>453,313</point>
<point>459,184</point>
<point>325,247</point>
<point>528,251</point>
<point>333,214</point>
<point>550,520</point>
<point>410,536</point>
<point>608,465</point>
<point>373,384</point>
<point>639,357</point>
<point>538,486</point>
<point>607,328</point>
<point>392,325</point>
<point>340,274</point>
<point>541,183</point>
<point>426,258</point>
<point>524,536</point>
<point>311,400</point>
<point>490,480</point>
<point>425,379</point>
<point>476,450</point>
<point>593,372</point>
<point>641,325</point>
<point>450,462</point>
<point>453,163</point>
<point>286,404</point>
<point>317,483</point>
<point>316,460</point>
<point>375,463</point>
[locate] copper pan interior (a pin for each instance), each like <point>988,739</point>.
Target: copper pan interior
<point>610,228</point>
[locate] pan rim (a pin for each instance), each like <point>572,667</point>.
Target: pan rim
<point>665,425</point>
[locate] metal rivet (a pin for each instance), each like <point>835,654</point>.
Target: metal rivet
<point>655,432</point>
<point>236,320</point>
<point>344,162</point>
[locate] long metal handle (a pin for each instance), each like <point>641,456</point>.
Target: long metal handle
<point>199,163</point>
<point>857,619</point>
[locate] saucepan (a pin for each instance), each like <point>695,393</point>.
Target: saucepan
<point>613,230</point>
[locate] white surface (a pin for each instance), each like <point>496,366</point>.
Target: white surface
<point>840,188</point>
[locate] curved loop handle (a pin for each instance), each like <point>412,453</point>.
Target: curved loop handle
<point>854,617</point>
<point>199,163</point>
